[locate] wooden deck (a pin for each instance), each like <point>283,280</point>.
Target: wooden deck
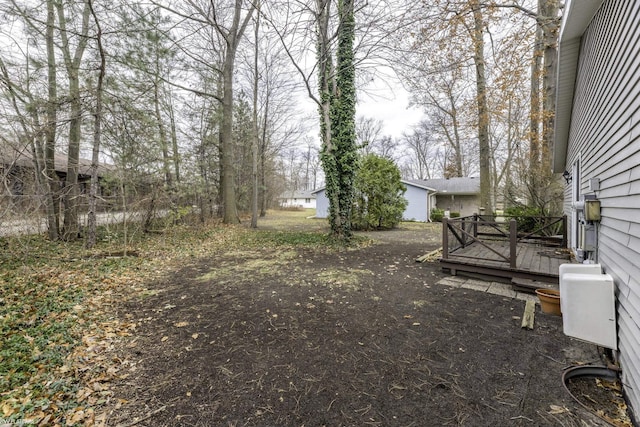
<point>533,262</point>
<point>485,249</point>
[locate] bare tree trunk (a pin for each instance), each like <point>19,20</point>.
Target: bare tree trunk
<point>541,179</point>
<point>255,138</point>
<point>483,110</point>
<point>232,37</point>
<point>174,140</point>
<point>549,10</point>
<point>53,218</point>
<point>263,154</point>
<point>534,133</point>
<point>457,149</point>
<point>226,142</point>
<point>71,190</point>
<point>72,64</point>
<point>95,154</point>
<point>162,132</point>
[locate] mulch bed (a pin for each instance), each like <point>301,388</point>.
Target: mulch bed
<point>362,337</point>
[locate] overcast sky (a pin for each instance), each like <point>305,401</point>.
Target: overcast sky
<point>391,106</point>
<point>387,102</point>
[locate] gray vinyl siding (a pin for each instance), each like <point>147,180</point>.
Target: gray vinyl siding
<point>417,204</point>
<point>322,204</point>
<point>605,135</point>
<point>465,205</point>
<point>417,208</point>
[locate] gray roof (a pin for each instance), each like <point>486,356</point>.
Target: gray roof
<point>298,194</point>
<point>23,157</point>
<point>577,16</point>
<point>419,184</point>
<point>464,185</point>
<point>460,186</point>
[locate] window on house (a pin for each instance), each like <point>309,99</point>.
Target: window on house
<point>307,200</point>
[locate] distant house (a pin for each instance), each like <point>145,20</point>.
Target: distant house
<point>297,199</point>
<point>461,195</point>
<point>597,146</point>
<point>420,200</point>
<point>454,194</point>
<point>18,173</point>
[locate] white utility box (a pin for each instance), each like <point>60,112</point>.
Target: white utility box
<point>576,268</point>
<point>587,299</point>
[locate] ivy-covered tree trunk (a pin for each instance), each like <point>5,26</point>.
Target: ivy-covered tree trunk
<point>338,102</point>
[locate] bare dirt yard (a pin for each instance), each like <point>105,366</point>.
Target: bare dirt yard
<point>291,336</point>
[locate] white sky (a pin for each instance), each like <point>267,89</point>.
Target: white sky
<point>391,106</point>
<point>387,102</point>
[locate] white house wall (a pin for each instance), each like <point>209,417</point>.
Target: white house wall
<point>305,203</point>
<point>605,135</point>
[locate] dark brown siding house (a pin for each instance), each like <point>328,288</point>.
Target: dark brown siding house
<point>18,184</point>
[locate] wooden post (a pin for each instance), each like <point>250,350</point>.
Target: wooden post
<point>475,225</point>
<point>463,223</point>
<point>513,243</point>
<point>529,314</point>
<point>445,238</point>
<point>565,242</point>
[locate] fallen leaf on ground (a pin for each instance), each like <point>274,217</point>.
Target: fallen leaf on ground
<point>555,409</point>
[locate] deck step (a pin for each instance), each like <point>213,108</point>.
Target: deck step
<point>530,286</point>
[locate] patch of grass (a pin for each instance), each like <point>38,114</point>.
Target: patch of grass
<point>419,226</point>
<point>349,280</point>
<point>287,238</point>
<point>254,263</point>
<point>57,302</point>
<point>420,303</point>
<point>300,239</point>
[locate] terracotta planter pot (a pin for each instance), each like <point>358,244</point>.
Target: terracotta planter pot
<point>549,301</point>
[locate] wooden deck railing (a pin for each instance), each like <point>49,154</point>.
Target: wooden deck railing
<point>465,231</point>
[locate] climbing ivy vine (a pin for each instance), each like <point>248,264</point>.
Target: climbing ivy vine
<point>337,117</point>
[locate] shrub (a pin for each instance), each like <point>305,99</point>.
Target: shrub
<point>379,194</point>
<point>437,215</point>
<point>526,217</point>
<point>291,208</point>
